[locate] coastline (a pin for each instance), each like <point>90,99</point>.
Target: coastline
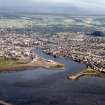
<point>89,72</point>
<point>38,63</point>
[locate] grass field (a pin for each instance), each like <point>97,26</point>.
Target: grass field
<point>24,64</point>
<point>11,62</point>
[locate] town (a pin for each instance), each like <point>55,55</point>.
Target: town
<point>85,44</point>
<point>76,46</point>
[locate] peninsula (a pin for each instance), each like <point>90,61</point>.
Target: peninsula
<point>26,64</point>
<point>89,72</point>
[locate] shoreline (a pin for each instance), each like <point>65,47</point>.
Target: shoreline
<point>27,67</point>
<point>88,72</point>
<point>39,63</point>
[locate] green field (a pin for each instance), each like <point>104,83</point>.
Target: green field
<point>42,20</point>
<point>11,62</point>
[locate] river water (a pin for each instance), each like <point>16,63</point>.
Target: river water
<point>51,87</point>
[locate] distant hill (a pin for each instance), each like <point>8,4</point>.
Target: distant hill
<point>97,33</point>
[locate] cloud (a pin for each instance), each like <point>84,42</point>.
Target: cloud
<point>79,3</point>
<point>92,6</point>
<point>87,4</point>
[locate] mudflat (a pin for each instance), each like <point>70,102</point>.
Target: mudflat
<point>16,65</point>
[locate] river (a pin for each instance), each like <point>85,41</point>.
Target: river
<point>51,87</point>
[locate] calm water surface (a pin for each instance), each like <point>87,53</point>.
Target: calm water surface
<point>51,87</point>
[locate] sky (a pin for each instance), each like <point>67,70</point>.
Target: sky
<point>60,6</point>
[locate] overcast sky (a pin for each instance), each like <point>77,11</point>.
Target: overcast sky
<point>96,6</point>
